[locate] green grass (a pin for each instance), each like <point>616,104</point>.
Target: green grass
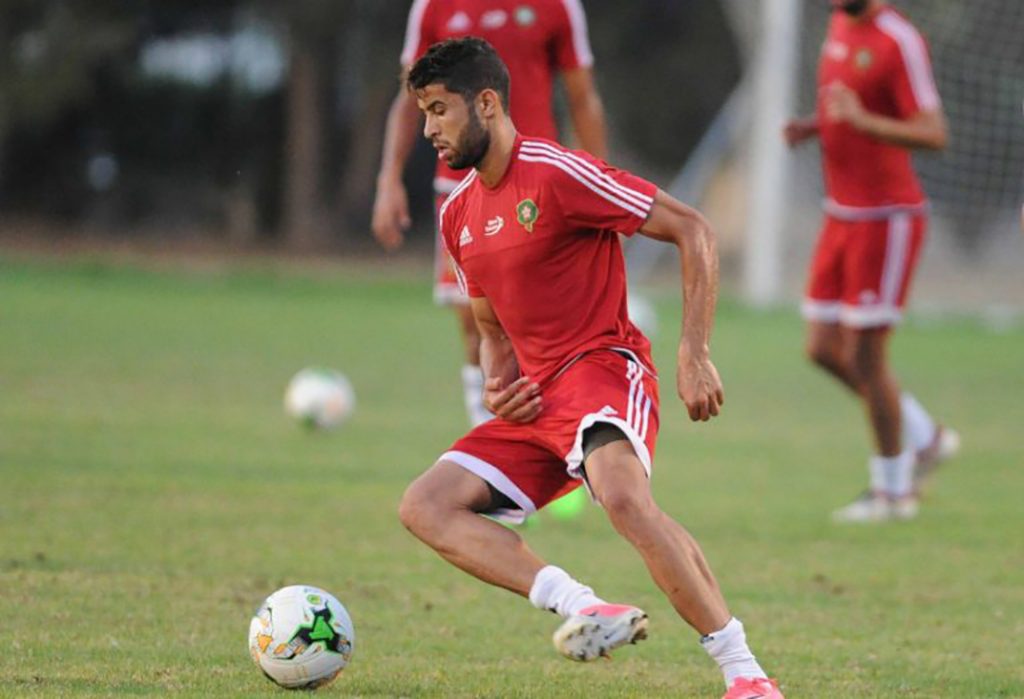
<point>152,493</point>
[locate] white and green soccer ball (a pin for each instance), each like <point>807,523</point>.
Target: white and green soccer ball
<point>320,398</point>
<point>301,637</point>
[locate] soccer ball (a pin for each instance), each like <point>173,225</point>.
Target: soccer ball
<point>301,637</point>
<point>320,398</point>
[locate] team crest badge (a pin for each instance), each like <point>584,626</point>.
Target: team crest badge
<point>525,15</point>
<point>863,59</point>
<point>527,213</point>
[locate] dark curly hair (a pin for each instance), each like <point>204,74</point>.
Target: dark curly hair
<point>465,66</point>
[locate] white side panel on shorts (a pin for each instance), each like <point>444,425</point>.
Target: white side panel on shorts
<point>499,481</point>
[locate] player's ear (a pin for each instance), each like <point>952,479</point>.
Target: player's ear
<point>487,103</point>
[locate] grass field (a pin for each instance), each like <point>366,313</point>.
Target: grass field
<point>152,493</point>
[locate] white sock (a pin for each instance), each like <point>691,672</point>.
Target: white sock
<point>877,474</point>
<point>893,475</point>
<point>918,426</point>
<point>554,590</point>
<point>473,394</point>
<point>728,647</point>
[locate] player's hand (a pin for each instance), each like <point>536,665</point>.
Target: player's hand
<point>797,131</point>
<point>700,387</point>
<point>390,214</point>
<point>518,402</point>
<point>843,104</point>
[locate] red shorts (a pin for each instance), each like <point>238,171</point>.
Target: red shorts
<point>861,270</point>
<point>446,285</point>
<point>537,462</point>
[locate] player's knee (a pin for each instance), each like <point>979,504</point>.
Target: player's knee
<point>822,355</point>
<point>416,511</point>
<point>866,367</point>
<point>626,508</point>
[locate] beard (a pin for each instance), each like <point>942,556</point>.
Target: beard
<point>472,144</point>
<point>852,7</point>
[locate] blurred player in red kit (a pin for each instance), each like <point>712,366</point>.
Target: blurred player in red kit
<point>539,40</point>
<point>877,101</point>
<point>533,232</point>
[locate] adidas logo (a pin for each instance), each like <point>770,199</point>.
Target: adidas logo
<point>465,238</point>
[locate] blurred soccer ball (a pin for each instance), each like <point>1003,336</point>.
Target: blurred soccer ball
<point>301,637</point>
<point>320,398</point>
<point>642,313</point>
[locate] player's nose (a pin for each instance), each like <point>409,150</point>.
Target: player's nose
<point>430,128</point>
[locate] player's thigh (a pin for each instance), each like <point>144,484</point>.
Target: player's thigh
<point>826,342</point>
<point>444,486</point>
<point>616,475</point>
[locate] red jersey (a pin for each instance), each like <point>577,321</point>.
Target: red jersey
<point>543,247</point>
<point>535,38</point>
<point>885,61</point>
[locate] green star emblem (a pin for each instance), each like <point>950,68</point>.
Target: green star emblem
<point>863,59</point>
<point>525,15</point>
<point>527,213</point>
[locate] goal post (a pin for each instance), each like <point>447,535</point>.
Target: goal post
<point>774,67</point>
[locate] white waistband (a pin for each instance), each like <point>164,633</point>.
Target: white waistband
<point>871,213</point>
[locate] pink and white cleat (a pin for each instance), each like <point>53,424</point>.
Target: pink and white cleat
<point>596,631</point>
<point>753,688</point>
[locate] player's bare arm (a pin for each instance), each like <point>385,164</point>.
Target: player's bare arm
<point>800,129</point>
<point>586,111</point>
<point>925,129</point>
<point>506,394</point>
<point>391,204</point>
<point>697,380</point>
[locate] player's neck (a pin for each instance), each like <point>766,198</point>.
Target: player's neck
<point>499,155</point>
<point>869,12</point>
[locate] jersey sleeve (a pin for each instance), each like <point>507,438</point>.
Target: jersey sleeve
<point>571,44</point>
<point>913,84</point>
<point>447,229</point>
<point>419,32</point>
<point>594,195</point>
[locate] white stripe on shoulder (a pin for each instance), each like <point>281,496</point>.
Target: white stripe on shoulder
<point>413,31</point>
<point>459,189</point>
<point>591,173</point>
<point>580,38</point>
<point>915,58</point>
<point>568,169</point>
<point>588,169</point>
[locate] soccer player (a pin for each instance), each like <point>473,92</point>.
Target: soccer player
<point>533,231</point>
<point>538,40</point>
<point>876,102</point>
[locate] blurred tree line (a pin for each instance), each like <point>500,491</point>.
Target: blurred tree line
<point>261,121</point>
